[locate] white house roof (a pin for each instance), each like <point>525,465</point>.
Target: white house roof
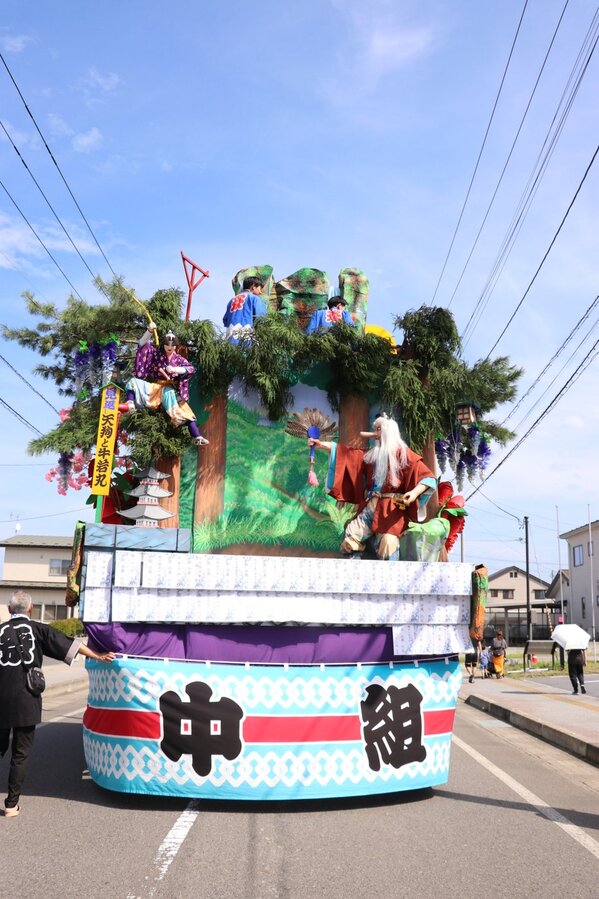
<point>30,540</point>
<point>583,529</point>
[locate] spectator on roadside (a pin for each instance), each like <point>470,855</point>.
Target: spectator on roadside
<point>471,660</point>
<point>498,653</point>
<point>23,645</point>
<point>577,659</point>
<point>483,661</point>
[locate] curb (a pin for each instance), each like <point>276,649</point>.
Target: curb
<point>588,752</point>
<point>67,687</point>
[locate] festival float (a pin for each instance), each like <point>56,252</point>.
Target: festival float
<point>285,618</point>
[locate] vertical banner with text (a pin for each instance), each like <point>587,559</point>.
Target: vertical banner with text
<point>105,440</point>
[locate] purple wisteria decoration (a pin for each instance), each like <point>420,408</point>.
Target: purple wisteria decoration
<point>94,364</point>
<point>466,451</point>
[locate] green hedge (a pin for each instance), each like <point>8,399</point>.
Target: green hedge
<point>72,627</point>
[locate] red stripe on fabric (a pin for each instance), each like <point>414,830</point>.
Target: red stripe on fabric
<point>301,728</point>
<point>257,728</point>
<point>440,722</point>
<point>123,723</point>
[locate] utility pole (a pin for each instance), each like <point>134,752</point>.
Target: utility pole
<point>559,562</point>
<point>528,609</point>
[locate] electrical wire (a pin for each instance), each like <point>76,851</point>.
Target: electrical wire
<point>18,373</point>
<point>20,418</point>
<point>509,156</point>
<point>594,351</point>
<point>555,356</point>
<point>52,515</point>
<point>49,204</point>
<point>549,248</point>
<point>36,235</point>
<point>45,143</point>
<point>480,151</point>
<point>569,94</point>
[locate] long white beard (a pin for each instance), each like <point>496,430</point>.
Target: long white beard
<point>386,466</point>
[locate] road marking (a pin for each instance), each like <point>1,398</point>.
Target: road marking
<point>63,717</point>
<point>536,802</point>
<point>173,841</point>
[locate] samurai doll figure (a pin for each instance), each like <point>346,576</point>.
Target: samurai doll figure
<point>389,483</point>
<point>162,379</point>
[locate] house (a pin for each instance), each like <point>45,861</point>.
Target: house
<point>584,576</point>
<point>507,606</point>
<point>37,565</point>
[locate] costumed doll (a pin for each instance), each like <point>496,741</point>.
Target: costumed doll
<point>243,309</point>
<point>336,311</point>
<point>162,379</point>
<point>390,483</point>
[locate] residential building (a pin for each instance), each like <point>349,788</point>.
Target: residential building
<point>507,606</point>
<point>37,565</point>
<point>584,576</point>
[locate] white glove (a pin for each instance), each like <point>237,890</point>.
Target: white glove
<point>176,369</point>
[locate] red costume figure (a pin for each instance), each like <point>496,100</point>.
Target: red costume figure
<point>389,483</point>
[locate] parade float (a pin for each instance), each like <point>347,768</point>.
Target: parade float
<point>255,659</point>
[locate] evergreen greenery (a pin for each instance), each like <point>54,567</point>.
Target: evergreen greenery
<point>421,383</point>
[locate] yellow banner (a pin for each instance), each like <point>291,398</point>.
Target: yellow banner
<point>105,440</point>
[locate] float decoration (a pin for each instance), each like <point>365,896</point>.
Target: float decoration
<point>314,424</point>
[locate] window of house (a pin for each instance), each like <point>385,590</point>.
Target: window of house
<point>577,558</point>
<point>583,607</point>
<point>494,593</point>
<point>59,567</point>
<point>507,594</point>
<point>539,594</point>
<point>513,574</point>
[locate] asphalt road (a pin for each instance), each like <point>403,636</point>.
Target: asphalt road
<point>517,817</point>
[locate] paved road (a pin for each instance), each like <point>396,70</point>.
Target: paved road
<point>516,812</point>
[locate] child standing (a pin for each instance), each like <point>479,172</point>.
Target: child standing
<point>484,661</point>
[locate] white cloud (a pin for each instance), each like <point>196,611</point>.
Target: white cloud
<point>58,126</point>
<point>377,45</point>
<point>14,43</point>
<point>108,81</point>
<point>88,141</point>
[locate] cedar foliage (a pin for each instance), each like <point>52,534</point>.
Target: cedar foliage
<point>420,384</point>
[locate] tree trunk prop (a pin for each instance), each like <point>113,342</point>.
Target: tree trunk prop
<point>354,416</point>
<point>171,465</point>
<point>212,461</point>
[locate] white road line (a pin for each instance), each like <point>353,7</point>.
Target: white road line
<point>535,801</point>
<point>173,841</point>
<point>63,717</point>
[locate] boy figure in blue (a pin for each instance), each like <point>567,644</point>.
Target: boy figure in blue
<point>325,318</point>
<point>243,309</point>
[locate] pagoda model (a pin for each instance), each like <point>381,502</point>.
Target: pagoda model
<point>147,513</point>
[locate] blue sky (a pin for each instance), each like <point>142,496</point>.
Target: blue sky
<point>324,133</point>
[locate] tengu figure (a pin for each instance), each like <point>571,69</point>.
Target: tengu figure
<point>200,727</point>
<point>392,728</point>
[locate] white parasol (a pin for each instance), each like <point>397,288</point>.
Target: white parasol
<point>570,636</point>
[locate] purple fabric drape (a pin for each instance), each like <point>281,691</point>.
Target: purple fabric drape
<point>246,643</point>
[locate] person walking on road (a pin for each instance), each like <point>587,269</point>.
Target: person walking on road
<point>577,659</point>
<point>23,645</point>
<point>471,660</point>
<point>498,652</point>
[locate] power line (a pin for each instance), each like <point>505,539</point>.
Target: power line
<point>20,418</point>
<point>549,248</point>
<point>509,156</point>
<point>53,515</point>
<point>18,373</point>
<point>569,383</point>
<point>541,163</point>
<point>36,235</point>
<point>50,206</point>
<point>31,116</point>
<point>480,151</point>
<point>580,322</point>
